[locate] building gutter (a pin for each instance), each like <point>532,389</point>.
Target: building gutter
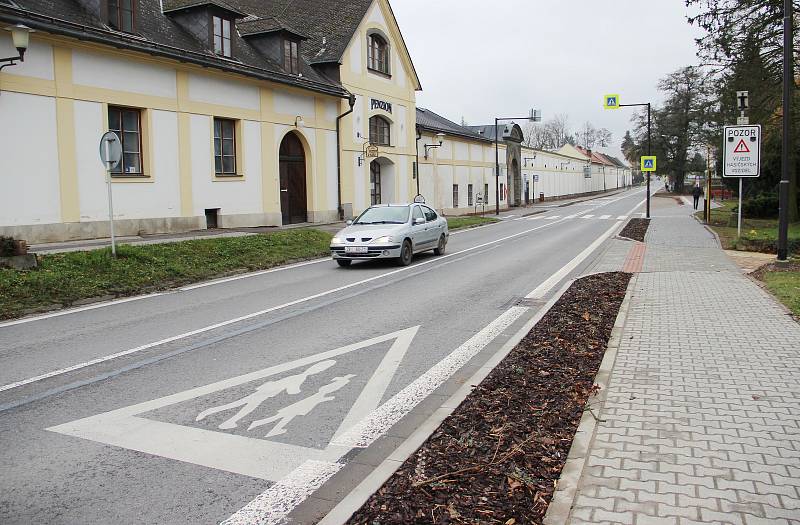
<point>49,24</point>
<point>351,99</point>
<point>416,150</point>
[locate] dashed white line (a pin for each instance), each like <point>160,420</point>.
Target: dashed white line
<point>604,217</point>
<point>587,216</point>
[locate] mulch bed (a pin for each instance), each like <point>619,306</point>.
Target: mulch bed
<point>774,267</point>
<point>498,457</point>
<point>635,229</point>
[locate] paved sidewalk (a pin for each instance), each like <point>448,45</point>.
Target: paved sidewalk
<point>702,419</point>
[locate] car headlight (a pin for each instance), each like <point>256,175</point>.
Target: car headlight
<point>336,240</point>
<point>383,240</point>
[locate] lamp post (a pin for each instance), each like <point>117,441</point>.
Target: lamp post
<point>534,116</point>
<point>20,36</point>
<point>783,188</point>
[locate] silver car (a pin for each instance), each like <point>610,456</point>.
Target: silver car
<point>391,231</point>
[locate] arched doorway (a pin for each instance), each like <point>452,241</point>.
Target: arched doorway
<point>292,159</point>
<point>381,181</point>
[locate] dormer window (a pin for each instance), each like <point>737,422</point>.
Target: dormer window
<point>120,15</point>
<point>377,54</point>
<point>291,56</point>
<point>221,35</point>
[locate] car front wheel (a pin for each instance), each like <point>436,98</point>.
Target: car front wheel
<point>440,248</point>
<point>406,254</point>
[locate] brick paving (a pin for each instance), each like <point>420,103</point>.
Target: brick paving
<point>702,419</point>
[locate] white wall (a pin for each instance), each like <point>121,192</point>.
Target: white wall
<point>38,58</point>
<point>118,73</point>
<point>224,92</point>
<point>29,182</point>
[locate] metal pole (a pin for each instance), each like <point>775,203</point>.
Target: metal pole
<point>648,153</point>
<point>496,170</point>
<point>739,228</point>
<point>110,201</point>
<point>783,188</point>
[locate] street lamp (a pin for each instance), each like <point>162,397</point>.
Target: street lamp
<point>20,36</point>
<point>534,116</point>
<point>438,144</point>
<point>783,188</point>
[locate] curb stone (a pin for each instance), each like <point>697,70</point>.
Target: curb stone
<point>369,485</point>
<point>560,508</point>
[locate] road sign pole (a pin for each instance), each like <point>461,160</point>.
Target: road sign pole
<point>783,188</point>
<point>739,228</point>
<point>496,170</point>
<point>110,200</point>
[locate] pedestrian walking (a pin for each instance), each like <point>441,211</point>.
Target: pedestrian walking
<point>697,192</point>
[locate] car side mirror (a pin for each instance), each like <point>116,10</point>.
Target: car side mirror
<point>348,222</point>
<point>419,220</point>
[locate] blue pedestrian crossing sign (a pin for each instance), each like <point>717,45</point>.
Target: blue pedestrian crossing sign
<point>649,163</point>
<point>611,102</point>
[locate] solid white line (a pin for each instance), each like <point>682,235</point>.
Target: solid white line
<point>385,416</point>
<point>554,279</point>
<point>553,217</point>
<point>79,309</point>
<point>622,217</point>
<point>253,274</point>
<point>587,216</point>
<point>270,507</point>
<point>258,313</point>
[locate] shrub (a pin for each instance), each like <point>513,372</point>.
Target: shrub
<point>762,206</point>
<point>7,246</point>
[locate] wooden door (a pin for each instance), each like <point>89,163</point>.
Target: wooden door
<point>292,159</point>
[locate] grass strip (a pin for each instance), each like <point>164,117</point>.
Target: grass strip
<point>758,235</point>
<point>65,278</point>
<point>497,457</point>
<point>468,221</point>
<point>783,281</point>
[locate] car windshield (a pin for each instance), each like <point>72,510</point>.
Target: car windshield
<point>384,215</point>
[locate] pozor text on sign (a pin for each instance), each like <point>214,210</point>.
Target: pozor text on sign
<point>742,151</point>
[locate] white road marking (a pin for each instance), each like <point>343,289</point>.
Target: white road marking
<point>604,217</point>
<point>272,505</point>
<point>535,217</point>
<point>553,217</point>
<point>571,216</point>
<point>379,421</point>
<point>554,279</point>
<point>587,216</point>
<point>622,217</point>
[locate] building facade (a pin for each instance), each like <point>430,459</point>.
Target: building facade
<point>228,115</point>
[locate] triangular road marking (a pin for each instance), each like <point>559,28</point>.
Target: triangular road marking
<point>741,147</point>
<point>251,456</point>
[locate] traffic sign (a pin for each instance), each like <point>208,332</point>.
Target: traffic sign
<point>742,151</point>
<point>110,150</point>
<point>611,102</point>
<point>649,163</point>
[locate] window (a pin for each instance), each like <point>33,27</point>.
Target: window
<point>375,182</point>
<point>379,131</point>
<point>127,124</point>
<point>377,54</point>
<point>222,36</point>
<point>502,192</point>
<point>291,62</point>
<point>469,194</point>
<point>430,215</point>
<point>417,214</point>
<point>120,15</point>
<point>224,147</point>
<point>486,194</point>
<point>455,195</point>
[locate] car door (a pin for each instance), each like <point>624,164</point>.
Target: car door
<point>435,225</point>
<point>419,232</point>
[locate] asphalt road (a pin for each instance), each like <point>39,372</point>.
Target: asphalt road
<point>249,392</point>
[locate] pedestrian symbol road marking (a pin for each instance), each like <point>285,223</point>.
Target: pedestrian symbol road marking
<point>256,456</point>
<point>741,147</point>
<point>611,102</point>
<point>649,163</point>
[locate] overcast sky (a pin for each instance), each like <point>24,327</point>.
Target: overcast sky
<point>485,58</point>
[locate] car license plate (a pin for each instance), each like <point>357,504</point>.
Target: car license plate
<point>355,249</point>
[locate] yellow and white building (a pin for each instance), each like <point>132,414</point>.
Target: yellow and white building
<point>228,113</point>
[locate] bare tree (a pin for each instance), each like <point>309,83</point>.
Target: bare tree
<point>558,130</point>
